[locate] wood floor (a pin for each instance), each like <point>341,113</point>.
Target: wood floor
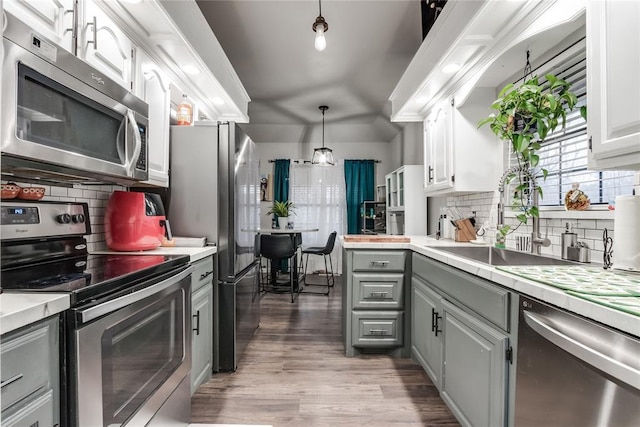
<point>294,373</point>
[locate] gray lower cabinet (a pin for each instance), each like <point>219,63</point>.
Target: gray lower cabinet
<point>29,362</point>
<point>375,302</point>
<point>201,322</point>
<point>463,329</point>
<point>474,369</point>
<point>426,331</point>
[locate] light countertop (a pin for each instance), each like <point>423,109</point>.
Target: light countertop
<point>195,253</point>
<point>21,309</point>
<point>428,246</point>
<point>18,310</point>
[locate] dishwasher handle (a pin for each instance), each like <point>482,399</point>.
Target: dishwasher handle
<point>616,369</point>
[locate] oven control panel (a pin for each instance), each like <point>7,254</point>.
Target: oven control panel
<point>25,220</point>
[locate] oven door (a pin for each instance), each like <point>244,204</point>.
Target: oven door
<point>131,354</point>
<point>59,110</point>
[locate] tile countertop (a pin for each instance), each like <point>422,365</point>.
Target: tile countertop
<point>21,309</point>
<point>428,246</point>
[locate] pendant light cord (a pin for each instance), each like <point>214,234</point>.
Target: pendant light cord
<point>322,128</point>
<point>320,9</point>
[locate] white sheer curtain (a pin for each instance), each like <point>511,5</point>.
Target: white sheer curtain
<point>320,198</point>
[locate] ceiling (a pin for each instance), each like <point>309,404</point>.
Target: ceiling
<point>270,44</point>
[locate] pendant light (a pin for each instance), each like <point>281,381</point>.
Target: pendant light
<point>322,156</point>
<point>320,27</point>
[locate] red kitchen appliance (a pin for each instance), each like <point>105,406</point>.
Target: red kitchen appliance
<point>135,221</point>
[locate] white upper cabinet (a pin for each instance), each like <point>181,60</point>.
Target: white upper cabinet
<point>152,85</point>
<point>176,35</point>
<point>470,53</point>
<point>437,149</point>
<point>459,157</point>
<point>104,45</point>
<point>51,18</point>
<point>613,68</point>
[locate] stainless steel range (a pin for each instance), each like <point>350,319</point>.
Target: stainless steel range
<point>127,339</point>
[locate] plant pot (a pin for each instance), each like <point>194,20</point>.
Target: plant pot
<point>519,124</point>
<point>282,222</point>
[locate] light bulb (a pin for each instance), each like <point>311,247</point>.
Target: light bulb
<point>321,42</point>
<point>323,158</point>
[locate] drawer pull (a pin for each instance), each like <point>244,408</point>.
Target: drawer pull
<point>378,332</point>
<point>380,294</point>
<point>379,263</point>
<point>11,380</point>
<point>205,275</point>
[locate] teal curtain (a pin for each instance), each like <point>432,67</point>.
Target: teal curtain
<point>281,191</point>
<point>360,182</point>
<point>281,180</point>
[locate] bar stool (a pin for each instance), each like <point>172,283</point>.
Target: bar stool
<point>275,247</point>
<point>325,251</point>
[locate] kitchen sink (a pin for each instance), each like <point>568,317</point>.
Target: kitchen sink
<point>494,256</point>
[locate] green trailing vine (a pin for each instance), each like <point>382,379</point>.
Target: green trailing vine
<point>524,116</point>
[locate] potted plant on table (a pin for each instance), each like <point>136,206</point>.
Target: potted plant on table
<point>524,116</point>
<point>282,210</point>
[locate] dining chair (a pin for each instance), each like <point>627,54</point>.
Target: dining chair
<point>276,247</point>
<point>325,252</point>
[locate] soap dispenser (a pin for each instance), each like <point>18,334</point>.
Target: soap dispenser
<point>569,239</point>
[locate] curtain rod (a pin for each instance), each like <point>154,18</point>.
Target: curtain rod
<point>309,161</point>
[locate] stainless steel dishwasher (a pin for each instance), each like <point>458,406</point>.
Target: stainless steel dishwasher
<point>574,372</point>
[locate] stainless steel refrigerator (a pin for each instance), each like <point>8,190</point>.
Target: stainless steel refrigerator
<point>214,193</point>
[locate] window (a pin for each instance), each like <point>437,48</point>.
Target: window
<point>319,196</point>
<point>564,153</point>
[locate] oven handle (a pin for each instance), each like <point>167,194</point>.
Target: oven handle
<point>110,306</point>
<point>573,346</point>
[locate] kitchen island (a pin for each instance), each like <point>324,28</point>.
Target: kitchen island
<point>428,246</point>
<point>461,320</point>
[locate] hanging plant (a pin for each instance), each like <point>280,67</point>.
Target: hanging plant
<point>524,116</point>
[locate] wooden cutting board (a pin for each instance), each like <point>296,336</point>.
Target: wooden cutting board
<point>358,238</point>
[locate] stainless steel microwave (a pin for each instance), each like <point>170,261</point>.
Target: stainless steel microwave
<point>62,119</point>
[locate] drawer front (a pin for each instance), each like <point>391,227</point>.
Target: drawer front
<point>378,260</point>
<point>38,412</point>
<point>384,291</point>
<point>485,298</point>
<point>377,329</point>
<point>26,361</point>
<point>202,273</point>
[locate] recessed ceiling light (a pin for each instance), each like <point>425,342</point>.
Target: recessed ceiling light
<point>217,100</point>
<point>451,68</point>
<point>421,100</point>
<point>190,69</point>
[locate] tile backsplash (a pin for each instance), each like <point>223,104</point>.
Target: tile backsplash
<point>96,196</point>
<point>588,230</point>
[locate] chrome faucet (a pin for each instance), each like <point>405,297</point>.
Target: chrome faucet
<point>536,239</point>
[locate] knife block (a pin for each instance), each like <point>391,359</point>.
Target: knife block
<point>465,232</point>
